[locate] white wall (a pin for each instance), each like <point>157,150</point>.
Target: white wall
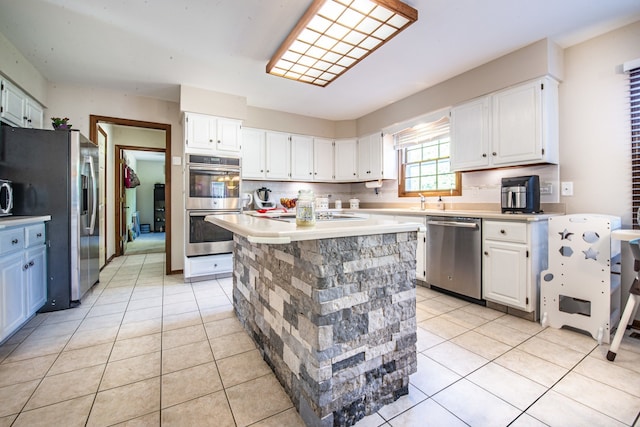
<point>150,174</point>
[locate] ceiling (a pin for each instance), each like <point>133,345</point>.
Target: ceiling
<point>150,48</point>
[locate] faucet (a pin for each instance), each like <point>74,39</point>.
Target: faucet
<point>422,201</point>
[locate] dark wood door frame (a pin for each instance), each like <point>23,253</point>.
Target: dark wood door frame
<point>93,126</point>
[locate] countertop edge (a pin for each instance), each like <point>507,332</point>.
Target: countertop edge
<point>15,221</point>
<point>265,230</point>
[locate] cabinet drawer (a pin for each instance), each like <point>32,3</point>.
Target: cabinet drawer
<point>11,240</point>
<point>505,231</point>
<point>34,235</point>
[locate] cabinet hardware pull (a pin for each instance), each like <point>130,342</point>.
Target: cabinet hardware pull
<point>39,235</point>
<point>484,154</point>
<point>486,253</point>
<point>24,267</point>
<point>31,263</point>
<point>494,153</point>
<point>502,232</point>
<point>14,242</point>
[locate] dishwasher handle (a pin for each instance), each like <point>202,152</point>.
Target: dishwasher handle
<point>459,224</point>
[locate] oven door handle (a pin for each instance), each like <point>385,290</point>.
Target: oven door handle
<point>213,168</point>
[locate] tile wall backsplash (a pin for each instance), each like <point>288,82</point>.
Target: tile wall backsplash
<point>477,187</point>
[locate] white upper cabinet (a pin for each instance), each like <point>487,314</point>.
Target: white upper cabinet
<point>229,135</point>
<point>18,109</point>
<point>346,160</point>
<point>515,126</point>
<point>208,134</point>
<point>470,133</point>
<point>253,153</point>
<point>12,104</point>
<point>34,115</point>
<point>323,159</point>
<point>278,155</point>
<point>376,157</point>
<point>301,158</point>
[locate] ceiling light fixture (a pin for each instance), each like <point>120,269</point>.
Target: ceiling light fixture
<point>334,35</point>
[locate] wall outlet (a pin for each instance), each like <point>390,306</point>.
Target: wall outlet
<point>567,188</point>
<point>546,188</point>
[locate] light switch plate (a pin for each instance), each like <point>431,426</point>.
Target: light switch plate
<point>567,188</point>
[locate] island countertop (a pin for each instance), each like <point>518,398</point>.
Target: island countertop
<point>273,231</point>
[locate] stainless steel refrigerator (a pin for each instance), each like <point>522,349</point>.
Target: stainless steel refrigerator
<point>54,172</point>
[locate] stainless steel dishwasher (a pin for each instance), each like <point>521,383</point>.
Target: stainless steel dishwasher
<point>453,255</point>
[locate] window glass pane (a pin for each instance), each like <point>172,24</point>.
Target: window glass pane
<point>429,168</point>
<point>429,183</point>
<point>430,152</point>
<point>447,181</point>
<point>443,166</point>
<point>414,154</point>
<point>445,149</point>
<point>412,184</point>
<point>412,170</point>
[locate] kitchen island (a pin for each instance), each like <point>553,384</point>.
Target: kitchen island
<point>332,308</point>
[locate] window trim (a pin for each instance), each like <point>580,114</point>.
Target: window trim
<point>456,191</point>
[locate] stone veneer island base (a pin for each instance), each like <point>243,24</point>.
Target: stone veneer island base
<point>335,319</point>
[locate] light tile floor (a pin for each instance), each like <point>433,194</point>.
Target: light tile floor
<point>146,349</point>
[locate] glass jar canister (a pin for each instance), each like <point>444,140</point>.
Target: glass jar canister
<point>305,208</point>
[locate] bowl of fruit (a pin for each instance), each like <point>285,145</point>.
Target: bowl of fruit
<point>288,203</point>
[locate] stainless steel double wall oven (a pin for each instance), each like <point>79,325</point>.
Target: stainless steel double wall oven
<point>213,188</point>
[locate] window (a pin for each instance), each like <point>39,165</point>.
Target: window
<point>425,167</point>
<point>634,104</point>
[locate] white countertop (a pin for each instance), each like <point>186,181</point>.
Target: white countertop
<point>265,230</point>
<point>13,221</point>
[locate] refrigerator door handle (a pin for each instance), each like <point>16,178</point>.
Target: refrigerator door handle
<point>94,195</point>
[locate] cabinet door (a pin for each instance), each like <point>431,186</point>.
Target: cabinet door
<point>470,135</point>
<point>364,158</point>
<point>505,267</point>
<point>346,160</point>
<point>13,307</point>
<point>229,133</point>
<point>36,278</point>
<point>323,159</point>
<point>253,153</point>
<point>201,132</point>
<point>13,103</point>
<point>278,156</point>
<point>517,125</point>
<point>34,114</point>
<point>301,158</point>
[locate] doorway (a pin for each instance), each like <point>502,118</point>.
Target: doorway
<point>143,223</point>
<point>113,196</point>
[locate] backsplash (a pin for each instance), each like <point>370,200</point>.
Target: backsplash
<point>482,188</point>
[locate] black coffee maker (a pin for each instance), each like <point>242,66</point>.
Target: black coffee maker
<point>521,194</point>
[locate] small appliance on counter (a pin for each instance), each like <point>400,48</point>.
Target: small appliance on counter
<point>6,197</point>
<point>521,194</point>
<point>262,198</point>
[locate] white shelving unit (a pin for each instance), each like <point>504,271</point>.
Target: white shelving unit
<point>581,288</point>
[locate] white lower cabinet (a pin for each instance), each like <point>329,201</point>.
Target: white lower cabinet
<point>23,275</point>
<point>513,253</point>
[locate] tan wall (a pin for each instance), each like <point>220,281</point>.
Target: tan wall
<point>595,141</point>
<point>538,59</point>
<point>78,103</point>
<point>16,68</point>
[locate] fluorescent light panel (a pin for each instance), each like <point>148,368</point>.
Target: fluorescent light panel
<point>334,35</point>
